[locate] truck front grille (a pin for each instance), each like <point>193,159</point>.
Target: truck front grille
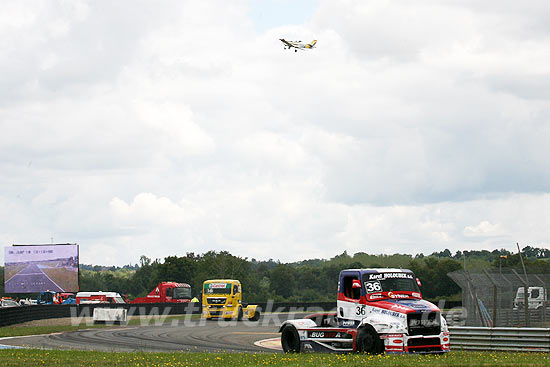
<point>418,342</point>
<point>424,323</point>
<point>215,300</point>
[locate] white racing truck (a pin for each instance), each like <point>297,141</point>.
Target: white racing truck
<point>378,310</point>
<point>537,297</point>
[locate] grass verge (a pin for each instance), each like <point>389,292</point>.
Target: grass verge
<point>25,358</point>
<point>17,330</point>
<point>7,331</point>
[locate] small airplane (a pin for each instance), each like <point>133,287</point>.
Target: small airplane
<point>298,45</point>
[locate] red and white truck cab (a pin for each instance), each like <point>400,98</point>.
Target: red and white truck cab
<point>378,310</point>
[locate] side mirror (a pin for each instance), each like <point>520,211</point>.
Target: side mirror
<point>418,282</point>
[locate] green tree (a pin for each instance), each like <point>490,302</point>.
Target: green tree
<point>282,281</point>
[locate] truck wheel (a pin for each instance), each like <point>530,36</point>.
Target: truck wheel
<point>240,317</point>
<point>368,341</point>
<point>256,316</point>
<point>290,339</point>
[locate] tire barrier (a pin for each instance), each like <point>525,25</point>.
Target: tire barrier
<point>17,315</point>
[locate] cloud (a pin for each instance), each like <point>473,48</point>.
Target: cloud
<point>482,229</point>
<point>134,129</point>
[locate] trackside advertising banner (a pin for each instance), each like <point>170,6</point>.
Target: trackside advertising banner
<point>36,268</point>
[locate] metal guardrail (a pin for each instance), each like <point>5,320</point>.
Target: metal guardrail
<point>509,339</point>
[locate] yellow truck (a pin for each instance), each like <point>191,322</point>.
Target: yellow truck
<point>222,298</point>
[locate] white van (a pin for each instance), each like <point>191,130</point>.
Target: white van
<point>98,297</point>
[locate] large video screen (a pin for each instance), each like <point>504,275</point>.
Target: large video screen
<point>36,268</point>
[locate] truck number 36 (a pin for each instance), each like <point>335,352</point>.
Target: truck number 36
<point>373,287</point>
<point>360,310</point>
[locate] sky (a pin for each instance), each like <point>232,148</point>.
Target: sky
<point>144,128</point>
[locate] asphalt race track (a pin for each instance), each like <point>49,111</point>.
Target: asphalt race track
<point>206,336</point>
<point>31,278</point>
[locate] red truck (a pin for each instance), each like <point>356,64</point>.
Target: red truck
<point>170,292</point>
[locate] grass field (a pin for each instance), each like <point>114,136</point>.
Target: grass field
<point>11,270</point>
<point>62,325</point>
<point>65,278</point>
<point>25,358</point>
<point>7,331</point>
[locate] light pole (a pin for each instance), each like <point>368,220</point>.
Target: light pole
<point>500,263</point>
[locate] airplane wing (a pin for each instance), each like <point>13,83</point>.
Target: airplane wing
<point>295,44</point>
<point>289,44</point>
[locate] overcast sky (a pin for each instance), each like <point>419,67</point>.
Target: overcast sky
<point>159,128</point>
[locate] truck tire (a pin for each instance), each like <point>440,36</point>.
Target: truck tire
<point>368,341</point>
<point>290,340</point>
<point>256,316</point>
<point>240,316</point>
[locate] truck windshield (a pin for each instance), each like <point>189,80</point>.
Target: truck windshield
<point>181,293</point>
<point>390,282</point>
<point>217,288</point>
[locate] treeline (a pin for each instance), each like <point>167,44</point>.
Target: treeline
<point>303,281</point>
<point>527,252</point>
